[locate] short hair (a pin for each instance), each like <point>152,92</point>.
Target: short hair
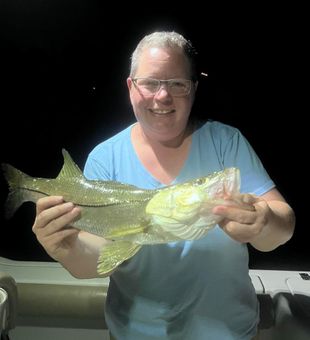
<point>167,40</point>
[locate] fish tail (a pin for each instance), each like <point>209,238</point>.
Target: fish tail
<point>114,254</point>
<point>16,196</point>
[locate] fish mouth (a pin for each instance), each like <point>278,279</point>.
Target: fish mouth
<point>161,112</point>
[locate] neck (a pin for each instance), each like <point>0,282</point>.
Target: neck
<point>172,143</point>
<point>163,159</point>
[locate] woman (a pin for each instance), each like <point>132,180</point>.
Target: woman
<point>183,290</point>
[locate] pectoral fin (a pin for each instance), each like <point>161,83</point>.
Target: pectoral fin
<point>114,254</point>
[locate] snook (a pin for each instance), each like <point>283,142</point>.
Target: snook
<point>125,214</point>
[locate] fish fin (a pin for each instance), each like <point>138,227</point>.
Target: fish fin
<point>13,176</point>
<point>114,254</point>
<point>16,196</point>
<point>69,169</point>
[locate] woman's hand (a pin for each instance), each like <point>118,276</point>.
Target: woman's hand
<point>76,250</point>
<point>244,217</point>
<point>52,226</point>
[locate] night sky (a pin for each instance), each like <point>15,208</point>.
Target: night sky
<point>63,85</point>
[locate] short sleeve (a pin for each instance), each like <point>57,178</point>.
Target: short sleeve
<point>93,170</point>
<point>239,153</point>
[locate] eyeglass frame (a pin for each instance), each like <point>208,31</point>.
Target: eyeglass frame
<point>163,81</point>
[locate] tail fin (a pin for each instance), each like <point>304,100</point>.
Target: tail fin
<point>17,196</point>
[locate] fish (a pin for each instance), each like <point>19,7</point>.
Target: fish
<point>129,216</point>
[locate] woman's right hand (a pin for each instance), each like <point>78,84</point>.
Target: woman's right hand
<point>52,226</point>
<point>75,249</point>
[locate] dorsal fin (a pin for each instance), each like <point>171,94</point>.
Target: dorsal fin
<point>69,169</point>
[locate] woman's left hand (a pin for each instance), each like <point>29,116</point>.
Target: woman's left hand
<point>244,218</point>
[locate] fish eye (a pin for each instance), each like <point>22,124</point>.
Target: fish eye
<point>200,181</point>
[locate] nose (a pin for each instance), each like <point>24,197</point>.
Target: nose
<point>163,91</point>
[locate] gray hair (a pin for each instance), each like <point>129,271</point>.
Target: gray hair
<point>166,40</point>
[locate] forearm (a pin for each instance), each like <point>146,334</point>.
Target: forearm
<point>81,262</point>
<point>279,227</point>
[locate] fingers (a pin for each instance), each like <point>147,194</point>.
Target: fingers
<point>52,226</point>
<point>242,201</point>
<point>48,202</point>
<point>235,214</point>
<point>242,224</point>
<point>241,232</point>
<point>53,214</point>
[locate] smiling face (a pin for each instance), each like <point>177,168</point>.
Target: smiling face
<point>162,116</point>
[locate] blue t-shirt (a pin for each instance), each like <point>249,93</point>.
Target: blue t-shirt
<point>197,289</point>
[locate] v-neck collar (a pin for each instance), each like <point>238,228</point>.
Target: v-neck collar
<point>151,179</point>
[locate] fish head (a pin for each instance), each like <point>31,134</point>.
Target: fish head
<point>219,184</point>
<point>184,204</point>
<point>178,204</point>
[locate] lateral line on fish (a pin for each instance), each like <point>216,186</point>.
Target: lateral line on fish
<point>127,232</point>
<point>83,204</point>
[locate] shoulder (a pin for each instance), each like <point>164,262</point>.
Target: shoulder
<point>112,144</point>
<point>106,156</point>
<point>216,130</point>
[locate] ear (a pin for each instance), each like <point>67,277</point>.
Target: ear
<point>196,85</point>
<point>129,83</point>
<point>130,86</point>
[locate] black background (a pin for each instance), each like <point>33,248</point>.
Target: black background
<point>64,66</point>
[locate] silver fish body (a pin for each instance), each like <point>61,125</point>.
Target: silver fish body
<point>127,215</point>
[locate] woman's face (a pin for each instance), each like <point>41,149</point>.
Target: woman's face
<point>162,116</point>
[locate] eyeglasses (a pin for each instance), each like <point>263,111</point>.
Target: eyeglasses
<point>176,87</point>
